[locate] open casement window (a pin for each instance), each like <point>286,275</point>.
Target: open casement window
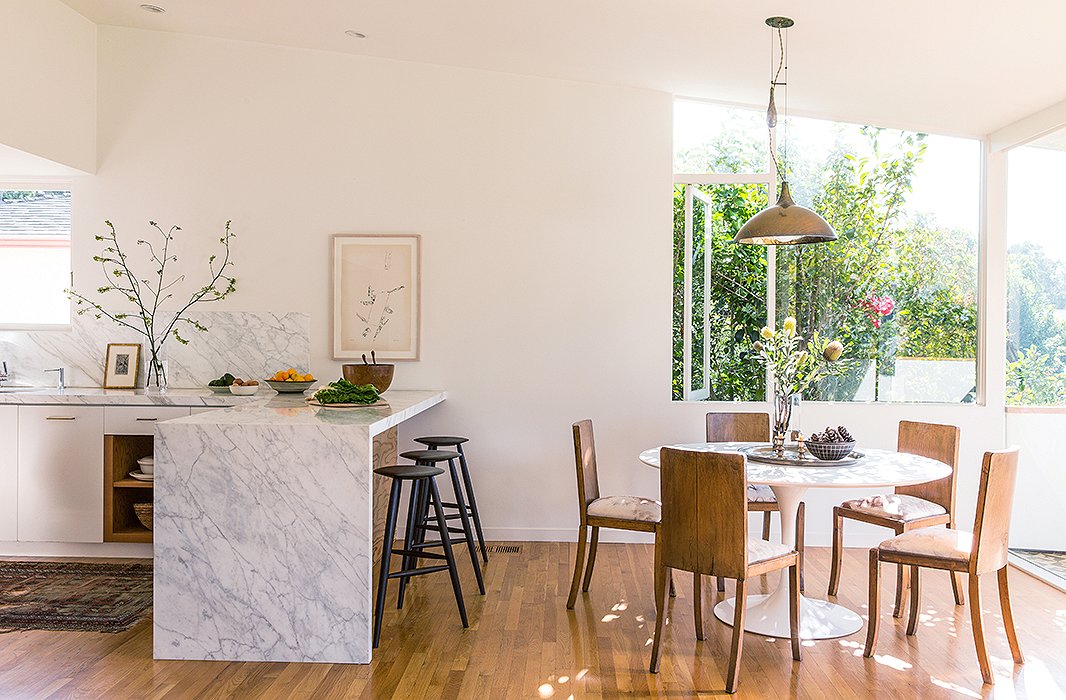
<point>720,300</point>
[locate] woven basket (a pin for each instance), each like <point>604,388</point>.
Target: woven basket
<point>830,451</point>
<point>144,513</point>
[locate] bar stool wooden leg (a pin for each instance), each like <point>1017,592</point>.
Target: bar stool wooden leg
<point>386,555</point>
<point>446,543</point>
<point>476,516</point>
<point>410,536</point>
<point>468,532</point>
<point>592,559</point>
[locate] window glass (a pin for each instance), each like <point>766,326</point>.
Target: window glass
<point>34,257</point>
<point>899,287</point>
<point>1036,275</point>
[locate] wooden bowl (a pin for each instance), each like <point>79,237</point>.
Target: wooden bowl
<point>143,511</point>
<point>378,375</point>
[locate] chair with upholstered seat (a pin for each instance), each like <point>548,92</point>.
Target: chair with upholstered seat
<point>618,512</point>
<point>753,427</point>
<point>977,554</point>
<point>909,507</point>
<point>704,529</point>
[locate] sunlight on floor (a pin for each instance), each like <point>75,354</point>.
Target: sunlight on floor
<point>549,689</point>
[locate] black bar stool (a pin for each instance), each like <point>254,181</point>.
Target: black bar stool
<point>423,489</point>
<point>422,516</point>
<point>436,442</point>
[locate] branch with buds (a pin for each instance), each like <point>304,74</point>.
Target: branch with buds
<point>148,293</point>
<point>794,362</point>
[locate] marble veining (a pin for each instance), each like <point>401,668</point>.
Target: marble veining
<point>255,343</point>
<point>263,530</point>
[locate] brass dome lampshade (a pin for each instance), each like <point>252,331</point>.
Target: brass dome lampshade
<point>785,223</point>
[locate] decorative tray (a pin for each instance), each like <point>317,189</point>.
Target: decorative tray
<point>792,458</point>
<point>376,404</point>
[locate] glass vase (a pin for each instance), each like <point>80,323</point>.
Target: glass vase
<point>783,406</point>
<point>155,373</point>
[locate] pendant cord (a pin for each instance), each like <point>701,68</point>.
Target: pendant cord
<point>773,84</point>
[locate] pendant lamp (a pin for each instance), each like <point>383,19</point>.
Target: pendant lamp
<point>785,223</point>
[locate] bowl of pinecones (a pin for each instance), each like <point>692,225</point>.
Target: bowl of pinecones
<point>831,444</point>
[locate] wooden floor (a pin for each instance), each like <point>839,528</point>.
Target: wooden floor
<point>523,643</point>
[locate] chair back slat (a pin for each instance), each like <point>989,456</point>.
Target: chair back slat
<point>704,525</point>
<point>588,483</point>
<point>995,497</point>
<point>939,442</point>
<point>738,427</point>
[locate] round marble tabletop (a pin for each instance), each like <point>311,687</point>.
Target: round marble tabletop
<point>819,619</point>
<point>880,468</point>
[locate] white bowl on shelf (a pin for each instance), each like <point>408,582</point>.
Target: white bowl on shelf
<point>147,464</point>
<point>243,390</point>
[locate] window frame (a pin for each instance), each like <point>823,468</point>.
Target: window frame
<point>769,179</point>
<point>60,184</point>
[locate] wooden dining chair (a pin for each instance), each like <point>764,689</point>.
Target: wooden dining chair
<point>909,507</point>
<point>704,529</point>
<point>976,554</point>
<point>619,512</point>
<point>753,427</point>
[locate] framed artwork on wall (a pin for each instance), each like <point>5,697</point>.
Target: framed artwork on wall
<point>377,287</point>
<point>122,365</point>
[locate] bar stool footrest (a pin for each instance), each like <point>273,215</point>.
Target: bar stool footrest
<point>407,573</point>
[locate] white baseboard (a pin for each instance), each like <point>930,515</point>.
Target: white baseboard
<point>76,549</point>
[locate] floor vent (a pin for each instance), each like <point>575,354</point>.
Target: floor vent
<point>504,549</point>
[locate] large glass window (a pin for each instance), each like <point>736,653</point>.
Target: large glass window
<point>899,288</point>
<point>1036,275</point>
<point>34,257</point>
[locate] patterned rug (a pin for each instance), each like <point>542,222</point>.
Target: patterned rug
<point>73,596</point>
<point>1055,562</point>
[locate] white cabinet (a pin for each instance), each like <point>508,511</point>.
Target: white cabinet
<point>9,426</point>
<point>138,420</point>
<point>60,473</point>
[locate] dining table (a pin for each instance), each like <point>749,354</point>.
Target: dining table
<point>874,469</point>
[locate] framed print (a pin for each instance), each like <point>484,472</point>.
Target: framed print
<point>122,365</point>
<point>377,288</point>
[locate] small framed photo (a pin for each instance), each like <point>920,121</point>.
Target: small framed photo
<point>122,366</point>
<point>376,295</point>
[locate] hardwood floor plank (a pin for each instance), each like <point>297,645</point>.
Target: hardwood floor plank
<point>523,643</point>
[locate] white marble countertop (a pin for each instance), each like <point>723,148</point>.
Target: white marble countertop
<point>95,396</point>
<point>292,409</point>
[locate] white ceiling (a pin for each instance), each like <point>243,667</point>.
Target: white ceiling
<point>951,66</point>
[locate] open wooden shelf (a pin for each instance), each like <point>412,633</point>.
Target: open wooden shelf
<point>121,453</point>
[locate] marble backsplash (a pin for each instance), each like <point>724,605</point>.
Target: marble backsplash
<point>249,344</point>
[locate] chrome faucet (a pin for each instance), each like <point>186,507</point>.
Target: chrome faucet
<point>62,377</point>
<point>4,375</point>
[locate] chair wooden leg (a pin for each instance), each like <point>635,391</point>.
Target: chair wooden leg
<point>721,584</point>
<point>838,549</point>
<point>794,586</point>
<point>903,575</point>
<point>766,525</point>
<point>1008,617</point>
<point>874,605</point>
<point>697,605</point>
<point>673,591</point>
<point>800,536</point>
<point>592,559</point>
<point>736,649</point>
<point>956,588</point>
<point>977,622</point>
<point>662,575</point>
<point>916,601</point>
<point>579,564</point>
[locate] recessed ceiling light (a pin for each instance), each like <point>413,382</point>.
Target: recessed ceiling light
<point>153,8</point>
<point>355,35</point>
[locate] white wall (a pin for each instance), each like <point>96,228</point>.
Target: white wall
<point>48,52</point>
<point>545,211</point>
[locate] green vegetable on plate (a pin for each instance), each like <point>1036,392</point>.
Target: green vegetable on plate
<point>225,380</point>
<point>343,391</point>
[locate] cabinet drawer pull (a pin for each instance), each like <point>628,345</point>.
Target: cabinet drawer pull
<point>147,419</point>
<point>60,418</point>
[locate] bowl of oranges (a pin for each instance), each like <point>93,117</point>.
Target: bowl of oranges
<point>290,381</point>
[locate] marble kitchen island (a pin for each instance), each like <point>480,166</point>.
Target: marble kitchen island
<point>264,535</point>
